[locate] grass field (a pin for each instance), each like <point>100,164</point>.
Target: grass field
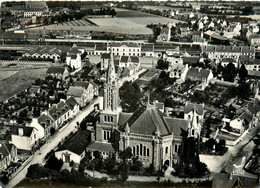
<point>6,74</point>
<point>126,22</point>
<point>18,82</point>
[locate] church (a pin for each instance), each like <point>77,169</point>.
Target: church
<point>152,135</point>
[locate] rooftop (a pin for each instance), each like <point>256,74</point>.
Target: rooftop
<point>77,143</point>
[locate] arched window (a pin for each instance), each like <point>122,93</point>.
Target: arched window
<point>111,118</point>
<point>148,152</point>
<point>192,132</point>
<point>105,135</point>
<point>166,150</point>
<point>137,150</point>
<point>141,149</point>
<point>144,151</point>
<point>134,150</point>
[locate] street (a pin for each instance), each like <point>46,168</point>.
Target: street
<point>217,163</point>
<point>40,154</point>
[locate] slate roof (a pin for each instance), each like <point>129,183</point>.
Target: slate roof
<point>123,44</point>
<point>101,146</point>
<point>190,107</point>
<point>101,47</point>
<point>77,143</point>
<point>124,59</point>
<point>148,121</point>
<point>44,120</point>
<point>75,91</point>
<point>5,149</point>
<point>46,49</point>
<point>71,102</point>
<point>134,59</point>
<point>253,73</point>
<point>56,70</point>
<point>147,48</point>
<point>105,56</point>
<point>123,118</point>
<point>177,126</point>
<point>198,73</point>
<point>191,60</point>
<point>27,131</point>
<point>225,49</point>
<point>223,180</point>
<point>81,84</point>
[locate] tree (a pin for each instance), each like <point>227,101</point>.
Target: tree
<point>161,64</point>
<point>109,165</point>
<point>126,154</point>
<point>53,163</point>
<point>130,95</point>
<point>123,171</point>
<point>137,165</point>
<point>229,72</point>
<point>36,171</point>
<point>243,73</point>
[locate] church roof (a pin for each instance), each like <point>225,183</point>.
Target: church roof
<point>123,118</point>
<point>148,121</point>
<point>101,146</point>
<point>190,107</point>
<point>177,126</point>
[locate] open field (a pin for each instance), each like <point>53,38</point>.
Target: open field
<point>126,22</point>
<point>6,74</point>
<point>18,82</point>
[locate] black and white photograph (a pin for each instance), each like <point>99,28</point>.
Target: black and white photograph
<point>130,93</point>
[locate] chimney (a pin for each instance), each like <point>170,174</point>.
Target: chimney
<point>20,131</point>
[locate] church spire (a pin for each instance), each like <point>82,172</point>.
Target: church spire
<point>111,75</point>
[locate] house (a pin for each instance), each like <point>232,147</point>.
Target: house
<point>73,58</point>
<point>79,94</point>
<point>74,148</point>
<point>165,34</point>
<point>24,138</point>
<point>45,122</point>
<point>226,61</point>
<point>152,136</point>
<point>127,61</point>
<point>8,154</point>
<point>58,73</point>
<point>178,71</point>
<point>105,57</point>
<point>90,87</point>
<point>60,113</point>
<point>201,75</point>
<point>254,40</point>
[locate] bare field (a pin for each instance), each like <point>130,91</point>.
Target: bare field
<point>126,22</point>
<point>18,82</point>
<point>6,74</point>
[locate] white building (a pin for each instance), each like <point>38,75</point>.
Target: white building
<point>130,49</point>
<point>24,138</point>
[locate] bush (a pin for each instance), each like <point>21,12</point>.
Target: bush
<point>36,171</point>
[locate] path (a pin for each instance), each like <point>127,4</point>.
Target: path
<point>40,154</point>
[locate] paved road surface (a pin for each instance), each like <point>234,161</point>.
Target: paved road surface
<point>39,155</point>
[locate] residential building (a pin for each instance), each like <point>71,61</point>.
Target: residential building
<point>127,61</point>
<point>58,73</point>
<point>74,148</point>
<point>201,75</point>
<point>82,92</point>
<point>73,58</point>
<point>147,50</point>
<point>152,136</point>
<point>8,154</point>
<point>105,57</point>
<point>178,71</point>
<point>24,138</point>
<point>254,40</point>
<point>45,122</point>
<point>165,34</point>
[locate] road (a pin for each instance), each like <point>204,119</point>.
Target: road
<point>39,155</point>
<point>217,163</point>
